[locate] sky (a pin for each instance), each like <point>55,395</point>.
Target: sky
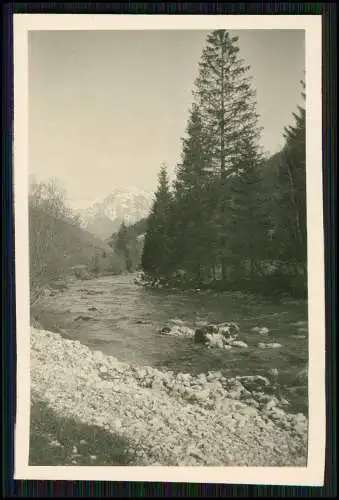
<point>107,108</point>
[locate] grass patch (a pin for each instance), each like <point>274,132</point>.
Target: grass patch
<point>59,441</point>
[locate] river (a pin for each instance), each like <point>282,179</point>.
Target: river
<point>122,319</point>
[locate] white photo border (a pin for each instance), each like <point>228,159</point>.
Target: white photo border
<point>313,474</point>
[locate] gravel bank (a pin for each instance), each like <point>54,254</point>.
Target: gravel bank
<point>173,420</point>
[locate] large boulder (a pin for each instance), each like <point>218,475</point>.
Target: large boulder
<point>200,336</point>
<point>221,335</point>
<point>215,340</point>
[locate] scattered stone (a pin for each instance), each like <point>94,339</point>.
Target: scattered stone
<point>256,384</point>
<point>202,395</point>
<point>118,423</point>
<point>284,402</point>
<point>157,385</point>
<point>272,345</point>
<point>160,413</point>
<point>141,373</point>
<point>239,343</point>
<point>215,340</point>
<point>229,330</point>
<point>262,330</point>
<point>271,404</point>
<point>83,318</point>
<point>55,443</point>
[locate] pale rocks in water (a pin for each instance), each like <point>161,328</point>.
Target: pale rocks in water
<point>239,343</point>
<point>273,372</point>
<point>215,340</point>
<point>229,330</point>
<point>272,345</point>
<point>178,331</point>
<point>262,330</point>
<point>182,331</point>
<point>221,336</point>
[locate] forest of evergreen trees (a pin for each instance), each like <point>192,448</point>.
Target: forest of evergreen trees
<point>232,218</point>
<point>128,243</point>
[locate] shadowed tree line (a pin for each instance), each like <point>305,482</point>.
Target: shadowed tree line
<point>233,218</point>
<point>58,246</point>
<point>128,242</point>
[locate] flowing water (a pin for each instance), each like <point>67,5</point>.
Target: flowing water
<point>122,319</point>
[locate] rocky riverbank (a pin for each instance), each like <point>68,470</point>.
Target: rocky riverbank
<point>168,419</point>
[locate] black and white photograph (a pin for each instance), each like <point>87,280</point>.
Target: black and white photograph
<point>172,307</point>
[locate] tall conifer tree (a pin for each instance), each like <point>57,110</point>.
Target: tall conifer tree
<point>292,191</point>
<point>226,99</point>
<point>156,257</point>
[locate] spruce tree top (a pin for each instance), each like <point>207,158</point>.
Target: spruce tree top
<point>225,97</point>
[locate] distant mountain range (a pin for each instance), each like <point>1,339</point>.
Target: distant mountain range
<point>105,217</point>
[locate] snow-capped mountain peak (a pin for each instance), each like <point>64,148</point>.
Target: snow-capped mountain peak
<point>104,217</point>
